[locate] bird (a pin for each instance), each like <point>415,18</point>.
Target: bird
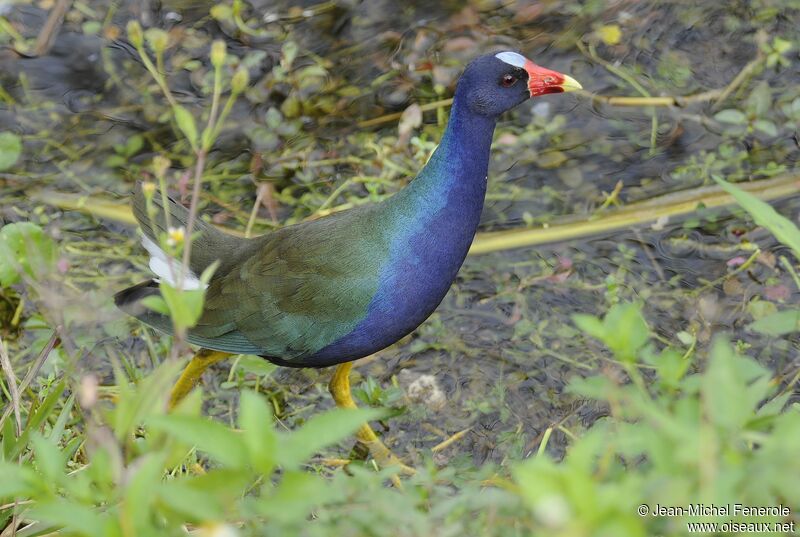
<point>329,291</point>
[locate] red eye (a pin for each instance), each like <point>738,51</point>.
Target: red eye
<point>508,80</point>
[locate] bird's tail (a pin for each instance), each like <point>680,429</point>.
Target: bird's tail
<point>208,245</point>
<point>131,301</point>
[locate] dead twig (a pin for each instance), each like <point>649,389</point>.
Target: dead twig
<point>674,205</point>
<point>13,389</point>
<point>48,33</point>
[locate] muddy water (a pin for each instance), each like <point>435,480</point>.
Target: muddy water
<point>501,348</point>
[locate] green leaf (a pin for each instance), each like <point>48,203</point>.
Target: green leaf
<point>289,52</point>
<point>221,12</point>
<point>255,420</point>
<point>18,481</point>
<point>186,124</point>
<point>155,303</point>
<point>764,215</point>
<point>623,329</point>
<point>778,324</point>
<point>589,324</point>
<point>733,387</point>
<point>731,116</point>
<point>296,496</point>
<point>671,366</point>
<point>211,437</point>
<point>759,102</point>
<point>25,249</point>
<point>134,406</point>
<point>133,145</point>
<point>143,483</point>
<point>596,387</point>
<point>765,126</point>
<point>72,516</point>
<point>322,430</point>
<point>49,459</point>
<point>10,149</point>
<point>781,46</point>
<point>759,309</point>
<point>190,501</point>
<point>256,365</point>
<point>185,306</point>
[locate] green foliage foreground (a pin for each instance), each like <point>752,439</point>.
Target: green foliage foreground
<point>717,437</point>
<point>708,427</point>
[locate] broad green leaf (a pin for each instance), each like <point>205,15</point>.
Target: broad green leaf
<point>49,459</point>
<point>18,481</point>
<point>256,365</point>
<point>322,430</point>
<point>221,12</point>
<point>296,496</point>
<point>733,387</point>
<point>595,387</point>
<point>289,52</point>
<point>134,406</point>
<point>10,149</point>
<point>219,442</point>
<point>589,324</point>
<point>155,303</point>
<point>623,329</point>
<point>185,306</point>
<point>133,145</point>
<point>778,324</point>
<point>732,116</point>
<point>25,249</point>
<point>670,364</point>
<point>764,215</point>
<point>74,517</point>
<point>760,100</point>
<point>765,126</point>
<point>255,420</point>
<point>186,124</point>
<point>197,504</point>
<point>140,492</point>
<point>759,309</point>
<point>781,46</point>
<point>627,331</point>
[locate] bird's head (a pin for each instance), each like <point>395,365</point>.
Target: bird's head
<point>496,83</point>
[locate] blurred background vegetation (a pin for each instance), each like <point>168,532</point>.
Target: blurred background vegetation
<point>638,345</point>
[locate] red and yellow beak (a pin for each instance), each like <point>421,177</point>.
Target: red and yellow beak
<point>542,81</point>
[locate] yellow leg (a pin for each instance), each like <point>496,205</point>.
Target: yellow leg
<point>192,373</point>
<point>340,390</point>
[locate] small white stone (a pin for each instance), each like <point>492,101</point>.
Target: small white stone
<point>425,389</point>
<point>511,58</point>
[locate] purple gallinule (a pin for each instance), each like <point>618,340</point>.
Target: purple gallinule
<point>333,290</point>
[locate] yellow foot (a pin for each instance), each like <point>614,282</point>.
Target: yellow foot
<point>340,390</point>
<point>192,373</point>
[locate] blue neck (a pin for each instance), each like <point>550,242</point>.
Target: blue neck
<point>435,218</point>
<point>429,226</point>
<point>461,161</point>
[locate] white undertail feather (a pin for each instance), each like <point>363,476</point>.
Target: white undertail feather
<point>511,58</point>
<point>168,269</point>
